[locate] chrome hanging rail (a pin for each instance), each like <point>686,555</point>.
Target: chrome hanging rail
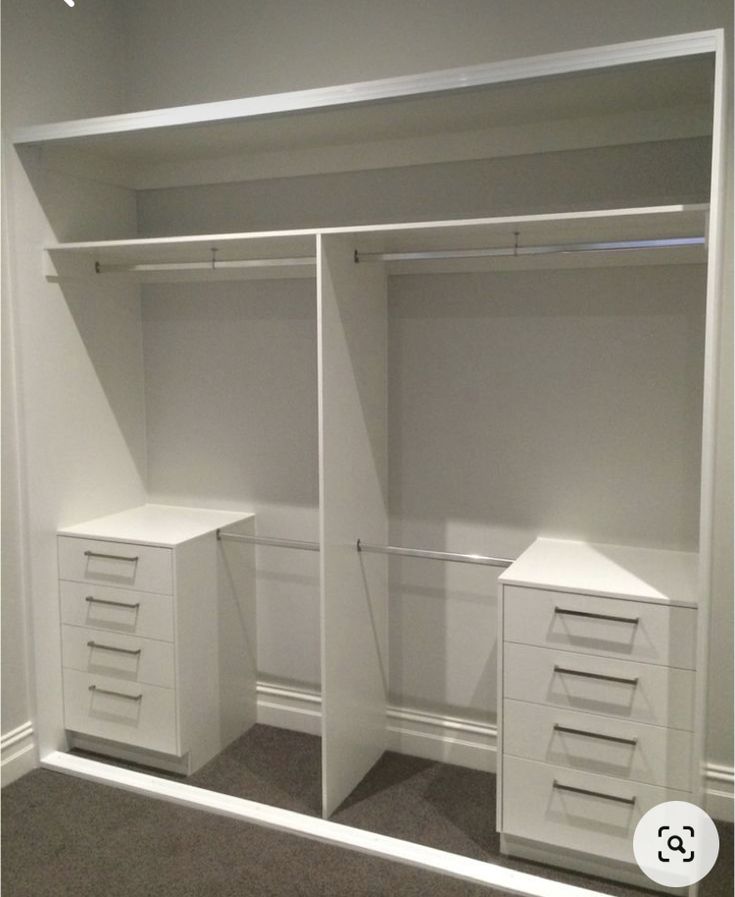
<point>435,555</point>
<point>212,265</point>
<point>516,250</point>
<point>267,540</point>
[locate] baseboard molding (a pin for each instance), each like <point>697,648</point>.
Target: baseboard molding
<point>421,734</point>
<point>298,709</point>
<point>17,753</point>
<point>446,739</point>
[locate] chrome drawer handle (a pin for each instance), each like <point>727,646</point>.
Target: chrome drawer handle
<point>567,731</point>
<point>117,694</point>
<point>93,600</point>
<point>135,651</point>
<point>634,621</point>
<point>112,557</point>
<point>602,676</point>
<point>615,797</point>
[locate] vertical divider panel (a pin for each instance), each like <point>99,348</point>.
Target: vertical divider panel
<point>353,348</point>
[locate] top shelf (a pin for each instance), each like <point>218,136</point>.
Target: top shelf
<point>294,253</point>
<point>638,91</point>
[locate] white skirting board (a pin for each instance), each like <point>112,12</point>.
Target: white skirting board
<point>17,753</point>
<point>446,739</point>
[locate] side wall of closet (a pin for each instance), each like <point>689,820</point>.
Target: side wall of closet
<point>68,431</point>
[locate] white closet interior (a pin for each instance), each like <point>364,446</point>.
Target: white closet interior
<point>530,355</point>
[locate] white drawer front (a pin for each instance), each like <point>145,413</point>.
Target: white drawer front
<point>121,564</point>
<point>117,610</point>
<point>598,744</point>
<point>125,657</point>
<point>538,805</point>
<point>633,630</point>
<point>657,695</point>
<point>143,715</point>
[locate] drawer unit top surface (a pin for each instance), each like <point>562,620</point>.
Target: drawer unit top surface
<point>162,525</point>
<point>614,571</point>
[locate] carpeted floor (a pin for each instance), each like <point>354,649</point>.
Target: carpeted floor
<point>65,836</point>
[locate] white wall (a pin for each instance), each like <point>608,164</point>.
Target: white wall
<point>77,395</point>
<point>231,383</point>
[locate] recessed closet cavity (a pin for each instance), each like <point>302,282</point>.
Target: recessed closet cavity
<point>388,398</point>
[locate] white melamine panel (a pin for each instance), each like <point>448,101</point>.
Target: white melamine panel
<point>353,471</point>
<point>616,571</point>
<point>135,713</point>
<point>122,564</point>
<point>657,695</point>
<point>651,633</point>
<point>117,610</point>
<point>152,524</point>
<point>460,100</point>
<point>216,649</point>
<point>125,657</point>
<point>657,756</point>
<point>533,808</point>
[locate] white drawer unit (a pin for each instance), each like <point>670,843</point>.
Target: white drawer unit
<point>122,564</point>
<point>130,713</point>
<point>596,690</point>
<point>117,610</point>
<point>653,755</point>
<point>158,617</point>
<point>124,656</point>
<point>659,696</point>
<point>575,810</point>
<point>649,633</point>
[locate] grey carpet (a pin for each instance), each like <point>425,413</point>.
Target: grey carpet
<point>453,808</point>
<point>436,804</point>
<point>65,837</point>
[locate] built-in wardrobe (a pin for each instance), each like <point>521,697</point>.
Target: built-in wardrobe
<point>412,382</point>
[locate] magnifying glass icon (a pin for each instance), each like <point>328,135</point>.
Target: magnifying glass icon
<point>675,842</point>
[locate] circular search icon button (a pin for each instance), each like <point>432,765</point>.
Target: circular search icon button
<point>676,844</point>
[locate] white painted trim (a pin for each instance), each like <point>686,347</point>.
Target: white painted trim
<point>709,403</point>
<point>350,95</point>
<point>405,852</point>
<point>418,733</point>
<point>17,753</point>
<point>297,709</point>
<point>719,795</point>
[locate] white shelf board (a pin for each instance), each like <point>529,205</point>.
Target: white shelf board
<point>72,260</point>
<point>651,78</point>
<point>613,571</point>
<point>161,525</point>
